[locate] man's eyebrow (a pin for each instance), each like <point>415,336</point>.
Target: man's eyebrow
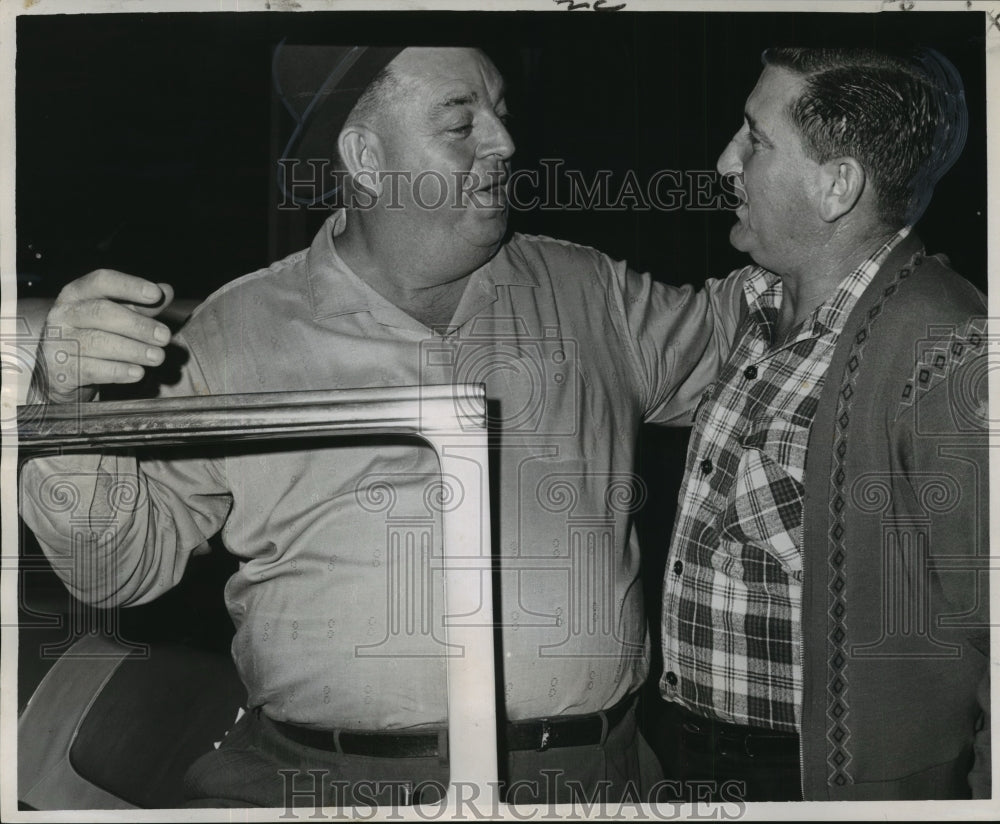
<point>454,102</point>
<point>467,99</point>
<point>752,123</point>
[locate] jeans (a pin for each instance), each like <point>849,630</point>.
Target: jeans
<point>710,761</point>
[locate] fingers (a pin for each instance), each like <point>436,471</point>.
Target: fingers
<point>117,320</point>
<point>63,384</point>
<point>109,284</point>
<point>166,298</point>
<point>94,371</point>
<point>100,345</point>
<point>102,329</point>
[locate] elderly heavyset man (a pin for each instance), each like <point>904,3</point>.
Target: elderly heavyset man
<point>582,351</point>
<point>824,622</point>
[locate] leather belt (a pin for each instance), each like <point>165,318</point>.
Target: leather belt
<point>536,734</point>
<point>723,739</point>
<point>568,731</point>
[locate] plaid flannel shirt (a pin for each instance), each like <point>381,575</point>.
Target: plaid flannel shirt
<point>733,587</point>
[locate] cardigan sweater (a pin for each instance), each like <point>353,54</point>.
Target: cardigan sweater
<point>896,544</point>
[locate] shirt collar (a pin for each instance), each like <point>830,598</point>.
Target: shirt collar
<point>335,289</point>
<point>763,291</point>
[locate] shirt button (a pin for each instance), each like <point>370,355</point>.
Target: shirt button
<point>706,467</point>
<point>678,567</point>
<point>750,373</point>
<point>671,678</point>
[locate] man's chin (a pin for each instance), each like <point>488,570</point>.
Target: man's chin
<point>738,237</point>
<point>485,230</point>
<point>487,222</point>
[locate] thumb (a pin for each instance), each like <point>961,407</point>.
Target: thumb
<point>165,300</point>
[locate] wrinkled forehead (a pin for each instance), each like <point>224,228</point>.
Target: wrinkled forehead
<point>777,88</point>
<point>438,68</point>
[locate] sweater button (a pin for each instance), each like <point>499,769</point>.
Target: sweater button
<point>750,373</point>
<point>706,467</point>
<point>671,678</point>
<point>678,567</point>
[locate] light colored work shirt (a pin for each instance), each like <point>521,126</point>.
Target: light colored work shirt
<point>337,609</point>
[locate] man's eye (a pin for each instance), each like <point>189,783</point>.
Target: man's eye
<point>463,131</point>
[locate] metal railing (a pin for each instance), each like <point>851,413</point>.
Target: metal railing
<point>450,419</point>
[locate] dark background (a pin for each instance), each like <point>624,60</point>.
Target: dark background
<point>146,143</point>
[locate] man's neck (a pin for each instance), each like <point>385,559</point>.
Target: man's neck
<point>433,306</point>
<point>420,281</point>
<point>814,282</point>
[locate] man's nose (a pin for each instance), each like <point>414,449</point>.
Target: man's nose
<point>498,141</point>
<point>730,162</point>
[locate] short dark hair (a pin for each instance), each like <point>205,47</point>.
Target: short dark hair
<point>903,118</point>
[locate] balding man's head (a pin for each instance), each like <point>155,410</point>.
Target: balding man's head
<point>428,146</point>
<point>319,85</point>
<point>381,95</point>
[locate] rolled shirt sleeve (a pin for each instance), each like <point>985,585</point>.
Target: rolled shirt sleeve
<point>118,531</point>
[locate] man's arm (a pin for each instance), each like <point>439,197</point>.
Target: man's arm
<point>114,532</point>
<point>679,338</point>
<point>944,439</point>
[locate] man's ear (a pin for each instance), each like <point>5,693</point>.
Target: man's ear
<point>361,154</point>
<point>843,182</point>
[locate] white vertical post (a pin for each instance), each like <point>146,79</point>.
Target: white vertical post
<point>461,446</point>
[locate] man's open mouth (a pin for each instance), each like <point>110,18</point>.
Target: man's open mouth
<point>736,181</point>
<point>493,191</point>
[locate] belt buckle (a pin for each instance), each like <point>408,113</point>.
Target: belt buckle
<point>732,745</point>
<point>545,740</point>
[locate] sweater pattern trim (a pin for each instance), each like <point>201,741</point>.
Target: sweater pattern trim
<point>838,730</point>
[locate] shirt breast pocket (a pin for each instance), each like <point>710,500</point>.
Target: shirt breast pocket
<point>764,506</point>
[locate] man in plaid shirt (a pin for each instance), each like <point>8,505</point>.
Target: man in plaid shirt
<point>784,672</point>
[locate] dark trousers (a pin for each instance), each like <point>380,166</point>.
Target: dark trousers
<point>704,760</point>
<point>256,766</point>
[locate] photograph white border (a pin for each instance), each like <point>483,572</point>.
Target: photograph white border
<point>10,11</point>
